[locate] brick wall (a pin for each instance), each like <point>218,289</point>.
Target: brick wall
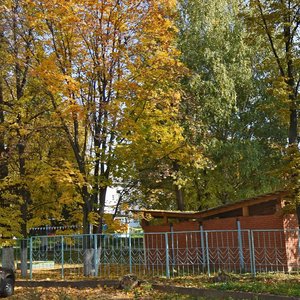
<point>290,224</point>
<point>275,250</point>
<point>262,222</point>
<point>252,222</point>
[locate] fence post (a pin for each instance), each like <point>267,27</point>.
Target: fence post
<point>130,254</point>
<point>240,245</point>
<point>202,246</point>
<point>173,259</point>
<point>145,253</point>
<point>95,254</point>
<point>167,256</point>
<point>62,257</point>
<point>207,253</point>
<point>30,257</point>
<point>252,253</point>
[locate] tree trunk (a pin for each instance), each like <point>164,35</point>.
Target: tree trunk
<point>88,252</point>
<point>293,128</point>
<point>179,198</point>
<point>102,197</point>
<point>24,249</point>
<point>86,210</point>
<point>24,265</point>
<point>293,91</point>
<point>178,191</point>
<point>88,256</point>
<point>26,200</point>
<point>298,214</point>
<point>3,161</point>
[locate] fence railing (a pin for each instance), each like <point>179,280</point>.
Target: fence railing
<point>163,254</point>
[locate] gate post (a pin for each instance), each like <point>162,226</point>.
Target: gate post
<point>167,256</point>
<point>173,258</point>
<point>252,253</point>
<point>240,245</point>
<point>95,255</point>
<point>130,254</point>
<point>62,257</point>
<point>207,253</point>
<point>202,247</point>
<point>145,253</point>
<point>30,257</point>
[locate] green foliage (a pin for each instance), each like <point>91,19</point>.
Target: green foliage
<point>275,26</point>
<point>291,176</point>
<point>223,108</point>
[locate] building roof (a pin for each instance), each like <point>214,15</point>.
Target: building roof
<point>199,215</point>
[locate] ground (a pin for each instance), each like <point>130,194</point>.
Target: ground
<point>68,293</point>
<point>22,293</point>
<point>277,284</point>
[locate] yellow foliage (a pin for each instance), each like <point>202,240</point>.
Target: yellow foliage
<point>114,225</point>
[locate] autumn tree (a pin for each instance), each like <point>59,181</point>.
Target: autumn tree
<point>156,149</point>
<point>16,46</point>
<point>109,71</point>
<point>30,189</point>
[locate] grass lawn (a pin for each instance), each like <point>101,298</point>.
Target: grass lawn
<point>277,284</point>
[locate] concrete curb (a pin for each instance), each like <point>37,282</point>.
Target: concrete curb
<point>198,292</point>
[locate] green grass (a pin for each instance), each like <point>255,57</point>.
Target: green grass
<point>277,284</point>
<point>279,288</point>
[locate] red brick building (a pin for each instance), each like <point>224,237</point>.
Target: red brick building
<point>250,235</point>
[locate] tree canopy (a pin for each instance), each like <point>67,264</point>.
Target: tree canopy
<point>178,104</point>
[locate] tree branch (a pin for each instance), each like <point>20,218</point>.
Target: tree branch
<point>270,39</point>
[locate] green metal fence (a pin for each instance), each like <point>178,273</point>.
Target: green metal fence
<point>166,254</point>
